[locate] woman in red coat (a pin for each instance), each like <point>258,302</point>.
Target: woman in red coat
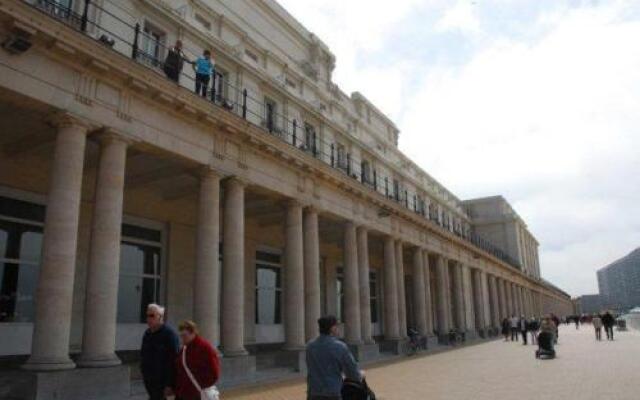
<point>201,360</point>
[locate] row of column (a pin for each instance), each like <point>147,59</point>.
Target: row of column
<point>465,298</point>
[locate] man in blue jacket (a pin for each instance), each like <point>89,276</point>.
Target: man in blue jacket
<point>328,359</point>
<point>158,354</point>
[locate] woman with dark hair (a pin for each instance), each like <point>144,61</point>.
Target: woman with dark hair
<point>197,366</point>
<point>506,329</point>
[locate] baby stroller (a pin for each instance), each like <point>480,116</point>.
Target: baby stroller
<point>545,346</point>
<point>352,390</point>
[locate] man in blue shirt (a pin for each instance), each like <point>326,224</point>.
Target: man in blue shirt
<point>204,69</point>
<point>328,360</point>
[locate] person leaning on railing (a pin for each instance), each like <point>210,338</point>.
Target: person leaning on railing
<point>204,70</point>
<point>174,62</point>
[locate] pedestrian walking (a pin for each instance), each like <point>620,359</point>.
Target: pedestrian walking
<point>158,354</point>
<point>174,62</point>
<point>533,327</point>
<point>515,322</point>
<point>506,329</point>
<point>522,326</point>
<point>597,326</point>
<point>556,323</point>
<point>204,70</point>
<point>608,321</point>
<point>328,361</point>
<point>197,366</point>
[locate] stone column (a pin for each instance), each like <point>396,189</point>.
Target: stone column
<point>232,330</point>
<point>363,279</point>
<point>495,302</point>
<point>294,279</point>
<point>419,302</point>
<point>509,298</point>
<point>402,303</point>
<point>478,302</point>
<point>101,301</point>
<point>516,299</point>
<point>391,326</point>
<point>458,297</point>
<point>352,324</point>
<point>469,308</point>
<point>442,298</point>
<point>486,299</point>
<point>312,305</point>
<point>502,299</point>
<point>54,293</point>
<point>206,285</point>
<point>427,294</point>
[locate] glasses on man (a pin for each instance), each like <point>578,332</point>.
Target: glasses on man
<point>151,315</point>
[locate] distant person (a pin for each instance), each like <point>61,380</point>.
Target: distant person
<point>515,322</point>
<point>506,329</point>
<point>329,363</point>
<point>556,323</point>
<point>522,326</point>
<point>174,62</point>
<point>597,326</point>
<point>158,355</point>
<point>608,321</point>
<point>533,326</point>
<point>577,321</point>
<point>197,365</point>
<point>204,69</point>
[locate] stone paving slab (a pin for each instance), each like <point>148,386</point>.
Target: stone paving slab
<point>584,369</point>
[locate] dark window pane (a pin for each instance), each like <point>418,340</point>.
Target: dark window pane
<point>138,232</point>
<point>21,209</point>
<point>25,300</point>
<point>374,310</point>
<point>4,239</point>
<point>148,297</point>
<point>129,299</point>
<point>131,259</point>
<point>31,245</point>
<point>268,257</point>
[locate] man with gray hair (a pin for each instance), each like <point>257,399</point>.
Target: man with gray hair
<point>158,354</point>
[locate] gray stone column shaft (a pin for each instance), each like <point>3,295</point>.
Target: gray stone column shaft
<point>496,313</point>
<point>101,302</point>
<point>352,324</point>
<point>486,299</point>
<point>502,299</point>
<point>478,301</point>
<point>427,294</point>
<point>419,302</point>
<point>363,279</point>
<point>312,306</point>
<point>206,285</point>
<point>391,325</point>
<point>458,297</point>
<point>294,278</point>
<point>442,298</point>
<point>232,329</point>
<point>402,302</point>
<point>509,298</point>
<point>54,293</point>
<point>469,307</point>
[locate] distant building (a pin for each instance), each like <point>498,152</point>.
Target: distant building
<point>588,304</point>
<point>619,282</point>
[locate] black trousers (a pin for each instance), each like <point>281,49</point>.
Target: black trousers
<point>514,334</point>
<point>609,330</point>
<point>155,392</point>
<point>524,337</point>
<point>598,333</point>
<point>202,82</point>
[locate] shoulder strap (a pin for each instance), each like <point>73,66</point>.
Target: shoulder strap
<point>187,370</point>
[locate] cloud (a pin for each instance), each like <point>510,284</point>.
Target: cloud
<point>538,103</point>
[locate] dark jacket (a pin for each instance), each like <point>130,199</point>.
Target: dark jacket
<point>158,356</point>
<point>608,320</point>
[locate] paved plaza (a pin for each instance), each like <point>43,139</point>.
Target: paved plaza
<point>584,369</point>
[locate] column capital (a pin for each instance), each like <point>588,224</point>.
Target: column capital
<point>107,135</point>
<point>65,119</point>
<point>236,180</point>
<point>207,172</point>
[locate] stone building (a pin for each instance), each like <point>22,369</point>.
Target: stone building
<point>253,210</point>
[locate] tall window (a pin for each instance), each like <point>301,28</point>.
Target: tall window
<point>310,138</point>
<point>342,156</point>
<point>270,114</point>
<point>222,84</point>
<point>152,45</point>
<point>373,296</point>
<point>268,288</point>
<point>140,272</point>
<point>21,226</point>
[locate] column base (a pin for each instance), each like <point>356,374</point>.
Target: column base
<point>470,334</point>
<point>237,370</point>
<point>296,359</point>
<point>393,346</point>
<point>98,361</point>
<point>76,384</point>
<point>235,353</point>
<point>48,364</point>
<point>364,352</point>
<point>432,342</point>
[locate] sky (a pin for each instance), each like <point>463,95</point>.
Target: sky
<point>538,101</point>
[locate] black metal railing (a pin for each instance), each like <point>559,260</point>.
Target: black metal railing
<point>127,37</point>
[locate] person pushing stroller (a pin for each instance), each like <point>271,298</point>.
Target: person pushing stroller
<point>546,339</point>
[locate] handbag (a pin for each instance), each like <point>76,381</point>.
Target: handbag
<point>210,393</point>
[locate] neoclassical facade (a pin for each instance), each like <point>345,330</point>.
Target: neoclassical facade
<point>274,199</point>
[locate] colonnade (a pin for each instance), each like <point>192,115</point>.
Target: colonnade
<point>446,294</point>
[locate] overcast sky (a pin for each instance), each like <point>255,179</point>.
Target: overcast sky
<point>538,101</point>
